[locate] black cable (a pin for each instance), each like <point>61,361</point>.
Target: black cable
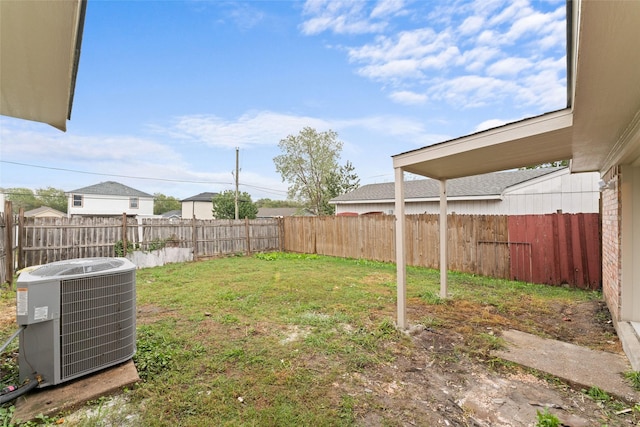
<point>23,389</point>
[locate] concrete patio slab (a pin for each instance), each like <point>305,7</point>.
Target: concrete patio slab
<point>66,397</point>
<point>580,366</point>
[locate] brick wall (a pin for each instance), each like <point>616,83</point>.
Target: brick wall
<point>611,261</point>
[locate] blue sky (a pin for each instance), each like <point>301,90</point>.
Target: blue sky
<point>166,90</point>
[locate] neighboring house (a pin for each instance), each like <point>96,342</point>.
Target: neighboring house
<point>516,192</point>
<point>44,212</point>
<point>199,206</point>
<point>276,212</point>
<point>109,199</point>
<point>175,214</point>
<point>599,131</point>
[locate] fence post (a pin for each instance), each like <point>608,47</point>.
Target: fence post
<point>247,234</point>
<point>281,234</point>
<point>8,242</point>
<point>124,234</point>
<point>21,239</point>
<point>194,237</point>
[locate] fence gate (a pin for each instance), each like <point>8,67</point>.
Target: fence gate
<point>563,249</point>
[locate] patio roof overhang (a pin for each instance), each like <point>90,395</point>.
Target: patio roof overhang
<point>599,129</point>
<point>528,142</point>
<point>39,53</point>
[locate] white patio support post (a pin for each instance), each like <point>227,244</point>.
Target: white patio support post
<point>443,239</point>
<point>401,269</point>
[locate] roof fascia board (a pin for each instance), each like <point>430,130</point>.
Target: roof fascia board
<point>627,145</point>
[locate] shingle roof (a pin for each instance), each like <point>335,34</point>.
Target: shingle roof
<point>276,212</point>
<point>110,188</point>
<point>489,184</point>
<point>202,197</point>
<point>176,212</point>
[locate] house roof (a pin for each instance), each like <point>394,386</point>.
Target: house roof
<point>600,126</point>
<point>39,55</point>
<point>110,188</point>
<point>202,197</point>
<point>477,186</point>
<point>43,209</point>
<point>276,212</point>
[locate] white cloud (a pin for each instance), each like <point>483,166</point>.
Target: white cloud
<point>508,67</point>
<point>387,7</point>
<point>472,91</point>
<point>408,98</point>
<point>464,54</point>
<point>471,25</point>
<point>338,16</point>
<point>251,129</point>
<point>490,124</point>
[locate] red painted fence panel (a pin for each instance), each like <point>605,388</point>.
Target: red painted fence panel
<point>556,249</point>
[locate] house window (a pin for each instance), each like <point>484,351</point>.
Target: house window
<point>133,202</point>
<point>77,201</point>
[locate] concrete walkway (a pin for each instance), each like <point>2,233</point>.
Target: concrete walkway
<point>577,365</point>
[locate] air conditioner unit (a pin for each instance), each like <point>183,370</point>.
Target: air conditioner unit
<point>79,317</point>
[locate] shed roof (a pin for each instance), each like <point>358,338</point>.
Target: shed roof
<point>489,184</point>
<point>43,209</point>
<point>173,213</point>
<point>110,188</point>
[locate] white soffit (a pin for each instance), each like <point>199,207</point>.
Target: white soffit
<point>39,52</point>
<point>528,142</point>
<point>607,85</point>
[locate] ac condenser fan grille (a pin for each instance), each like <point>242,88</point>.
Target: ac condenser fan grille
<point>97,322</point>
<point>77,266</point>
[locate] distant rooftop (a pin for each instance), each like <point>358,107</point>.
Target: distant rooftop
<point>202,197</point>
<point>110,188</point>
<point>489,184</point>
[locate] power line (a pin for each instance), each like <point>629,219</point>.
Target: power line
<point>267,190</point>
<point>114,175</point>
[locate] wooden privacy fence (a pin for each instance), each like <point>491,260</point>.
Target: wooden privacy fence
<point>373,237</point>
<point>3,248</point>
<point>39,241</point>
<point>554,249</point>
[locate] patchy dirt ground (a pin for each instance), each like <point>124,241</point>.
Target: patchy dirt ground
<point>451,379</point>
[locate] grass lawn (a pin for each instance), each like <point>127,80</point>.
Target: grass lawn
<point>271,340</point>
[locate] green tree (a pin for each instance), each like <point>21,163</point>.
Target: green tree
<point>548,165</point>
<point>52,197</point>
<point>224,206</point>
<point>22,198</point>
<point>340,182</point>
<point>268,203</point>
<point>309,163</point>
<point>162,204</point>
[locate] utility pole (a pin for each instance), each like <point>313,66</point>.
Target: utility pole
<point>237,180</point>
